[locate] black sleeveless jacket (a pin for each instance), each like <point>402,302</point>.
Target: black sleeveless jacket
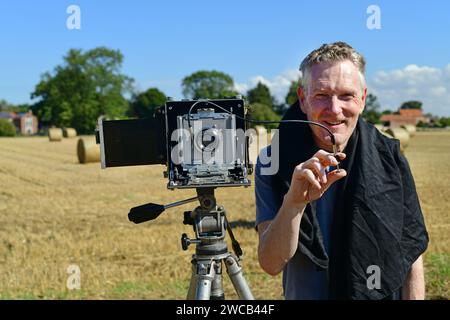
<point>377,217</point>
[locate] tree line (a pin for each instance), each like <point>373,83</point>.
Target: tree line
<point>91,84</point>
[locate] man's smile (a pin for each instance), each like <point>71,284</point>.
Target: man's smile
<point>334,124</point>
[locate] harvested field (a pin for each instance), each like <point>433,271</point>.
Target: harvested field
<point>55,212</point>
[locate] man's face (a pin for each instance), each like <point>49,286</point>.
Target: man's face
<point>334,97</point>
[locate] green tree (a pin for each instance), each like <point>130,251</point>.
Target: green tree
<point>262,112</point>
<point>145,103</point>
<point>371,113</point>
<point>260,94</point>
<point>280,108</point>
<point>292,96</point>
<point>23,107</point>
<point>86,86</point>
<point>443,122</point>
<point>7,129</point>
<point>421,124</point>
<point>413,104</point>
<point>5,106</point>
<point>208,84</point>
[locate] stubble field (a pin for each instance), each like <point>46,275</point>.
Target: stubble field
<point>55,212</point>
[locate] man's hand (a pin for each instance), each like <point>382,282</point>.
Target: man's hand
<point>278,238</point>
<point>310,180</point>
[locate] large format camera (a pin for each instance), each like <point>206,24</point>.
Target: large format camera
<point>202,142</point>
<point>204,145</point>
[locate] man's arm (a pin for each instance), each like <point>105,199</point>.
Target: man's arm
<point>414,287</point>
<point>278,238</point>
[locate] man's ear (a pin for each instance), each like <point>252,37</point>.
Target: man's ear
<point>301,98</point>
<point>363,98</point>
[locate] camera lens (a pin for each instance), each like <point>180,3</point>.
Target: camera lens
<point>207,139</point>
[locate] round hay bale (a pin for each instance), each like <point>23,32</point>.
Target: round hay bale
<point>272,133</point>
<point>402,148</point>
<point>55,134</point>
<point>69,133</point>
<point>88,150</point>
<point>400,134</point>
<point>410,128</point>
<point>261,130</point>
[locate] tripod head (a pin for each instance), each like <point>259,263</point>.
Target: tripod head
<point>151,211</point>
<point>208,220</point>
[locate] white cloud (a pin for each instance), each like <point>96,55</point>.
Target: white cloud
<point>429,85</point>
<point>241,87</point>
<point>278,86</point>
<point>439,91</point>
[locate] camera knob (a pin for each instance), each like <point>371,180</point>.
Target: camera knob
<point>185,241</point>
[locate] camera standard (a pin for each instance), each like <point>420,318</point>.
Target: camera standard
<point>204,145</point>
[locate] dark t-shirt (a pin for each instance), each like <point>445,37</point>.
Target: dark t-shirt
<point>301,278</point>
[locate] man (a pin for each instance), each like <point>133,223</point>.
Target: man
<point>356,232</point>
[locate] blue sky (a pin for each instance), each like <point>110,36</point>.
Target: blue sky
<point>163,41</point>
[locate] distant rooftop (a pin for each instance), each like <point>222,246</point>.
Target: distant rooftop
<point>411,112</point>
<point>7,115</point>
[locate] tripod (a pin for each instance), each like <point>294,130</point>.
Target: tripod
<point>210,225</point>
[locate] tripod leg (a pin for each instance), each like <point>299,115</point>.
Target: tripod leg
<point>237,278</point>
<point>205,276</point>
<point>193,283</point>
<point>217,284</point>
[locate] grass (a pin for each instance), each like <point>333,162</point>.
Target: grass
<point>55,212</point>
<point>438,275</point>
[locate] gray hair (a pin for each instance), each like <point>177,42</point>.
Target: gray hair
<point>332,52</point>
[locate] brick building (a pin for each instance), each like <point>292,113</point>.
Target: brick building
<point>404,117</point>
<point>26,123</point>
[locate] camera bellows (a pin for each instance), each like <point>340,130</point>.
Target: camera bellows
<point>88,150</point>
<point>55,134</point>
